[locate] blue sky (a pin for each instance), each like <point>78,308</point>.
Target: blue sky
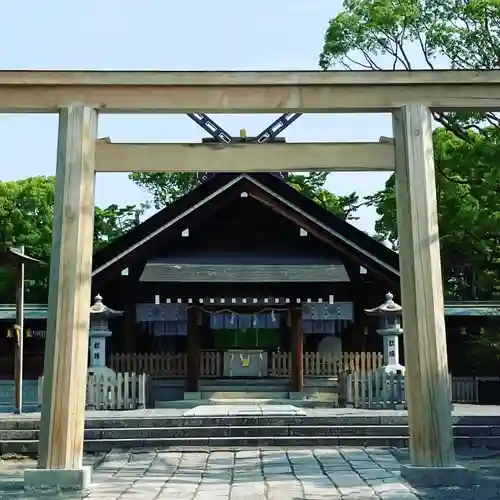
<point>165,35</point>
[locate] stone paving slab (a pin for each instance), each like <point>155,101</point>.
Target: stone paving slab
<point>254,474</point>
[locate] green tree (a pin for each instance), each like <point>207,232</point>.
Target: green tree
<point>168,187</point>
<point>26,212</point>
<point>165,187</point>
<point>459,34</point>
<point>468,189</point>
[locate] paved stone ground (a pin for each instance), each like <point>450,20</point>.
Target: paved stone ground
<point>270,474</point>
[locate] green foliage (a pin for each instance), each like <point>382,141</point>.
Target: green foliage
<point>168,187</point>
<point>26,211</point>
<point>468,187</point>
<point>457,34</point>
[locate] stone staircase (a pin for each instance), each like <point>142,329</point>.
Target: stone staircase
<point>103,433</point>
<point>317,393</point>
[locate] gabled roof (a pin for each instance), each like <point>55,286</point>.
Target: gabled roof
<point>268,189</point>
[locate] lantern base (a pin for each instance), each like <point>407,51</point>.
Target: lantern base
<point>101,370</point>
<point>395,369</point>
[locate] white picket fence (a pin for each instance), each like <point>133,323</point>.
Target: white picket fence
<point>121,391</point>
<point>377,390</point>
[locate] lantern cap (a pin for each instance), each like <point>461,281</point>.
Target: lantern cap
<point>387,307</point>
<point>100,309</point>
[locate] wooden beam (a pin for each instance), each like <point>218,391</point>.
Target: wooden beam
<point>247,91</point>
<point>66,347</point>
<point>244,157</point>
<point>429,405</point>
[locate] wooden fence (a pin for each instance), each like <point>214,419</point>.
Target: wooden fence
<point>315,364</point>
<point>210,364</point>
<point>281,364</point>
<point>319,365</point>
<point>158,364</point>
<point>377,390</point>
<point>121,391</point>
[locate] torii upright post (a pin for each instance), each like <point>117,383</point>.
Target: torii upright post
<point>429,400</point>
<point>60,458</point>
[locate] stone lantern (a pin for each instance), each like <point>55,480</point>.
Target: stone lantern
<point>98,333</point>
<point>389,314</point>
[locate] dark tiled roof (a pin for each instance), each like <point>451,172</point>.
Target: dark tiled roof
<point>238,273</point>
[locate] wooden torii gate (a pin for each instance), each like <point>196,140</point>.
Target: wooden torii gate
<point>79,96</point>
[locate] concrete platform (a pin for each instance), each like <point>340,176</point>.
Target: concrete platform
<point>58,479</point>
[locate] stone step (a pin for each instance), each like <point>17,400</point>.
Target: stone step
<point>101,445</point>
<point>107,420</point>
<point>193,403</point>
<point>326,382</point>
<point>238,382</point>
<point>244,431</point>
<point>299,403</point>
<point>244,388</point>
<point>248,395</point>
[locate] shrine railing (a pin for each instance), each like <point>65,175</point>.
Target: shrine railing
<point>280,365</point>
<point>154,364</point>
<point>317,364</point>
<point>165,364</point>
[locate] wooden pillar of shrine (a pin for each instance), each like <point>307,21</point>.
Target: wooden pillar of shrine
<point>297,350</point>
<point>193,350</point>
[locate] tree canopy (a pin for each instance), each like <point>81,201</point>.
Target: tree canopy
<point>457,34</point>
<point>26,212</point>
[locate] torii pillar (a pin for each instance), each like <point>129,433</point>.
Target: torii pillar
<point>432,453</point>
<point>60,454</point>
